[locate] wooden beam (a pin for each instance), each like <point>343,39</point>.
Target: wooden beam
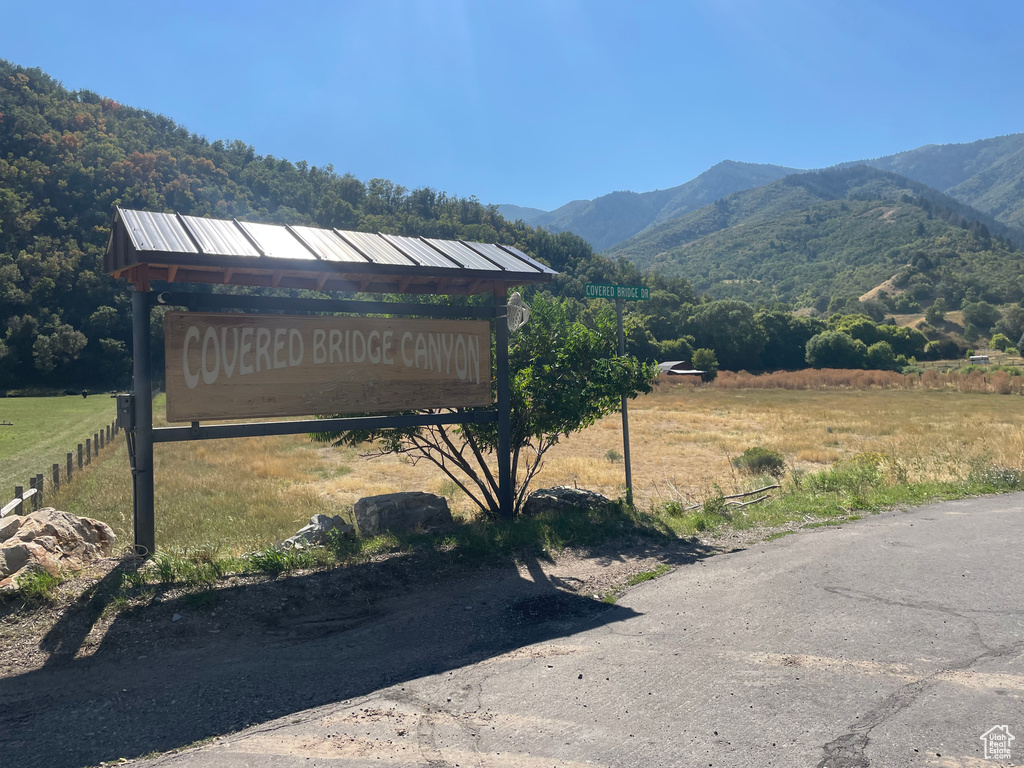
<point>172,272</point>
<point>277,278</point>
<point>228,274</point>
<point>141,278</point>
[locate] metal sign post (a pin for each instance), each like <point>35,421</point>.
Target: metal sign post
<point>621,294</point>
<point>625,409</point>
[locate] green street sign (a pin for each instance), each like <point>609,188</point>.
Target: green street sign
<point>625,292</point>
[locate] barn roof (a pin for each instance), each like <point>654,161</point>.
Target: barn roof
<point>145,246</point>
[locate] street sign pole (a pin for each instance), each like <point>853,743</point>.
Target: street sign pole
<point>625,409</point>
<point>621,294</point>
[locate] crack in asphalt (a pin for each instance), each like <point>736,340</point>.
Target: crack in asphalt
<point>848,750</point>
<point>855,594</point>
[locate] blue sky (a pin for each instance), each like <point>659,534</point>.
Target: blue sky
<point>540,103</point>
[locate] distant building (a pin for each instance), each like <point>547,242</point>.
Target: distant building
<point>678,368</point>
<point>978,359</point>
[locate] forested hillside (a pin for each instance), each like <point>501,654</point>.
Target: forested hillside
<point>68,158</point>
<point>987,175</point>
<point>808,238</point>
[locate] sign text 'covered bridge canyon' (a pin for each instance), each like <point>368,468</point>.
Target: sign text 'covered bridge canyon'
<point>231,356</point>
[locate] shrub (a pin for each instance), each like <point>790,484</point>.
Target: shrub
<point>39,587</point>
<point>997,478</point>
<point>761,461</point>
<point>706,360</point>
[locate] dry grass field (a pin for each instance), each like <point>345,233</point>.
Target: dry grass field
<point>234,496</point>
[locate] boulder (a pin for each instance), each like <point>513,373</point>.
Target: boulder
<point>562,499</point>
<point>51,540</point>
<point>401,512</point>
<point>316,532</point>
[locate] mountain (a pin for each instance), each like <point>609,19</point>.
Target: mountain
<point>519,213</point>
<point>987,174</point>
<point>831,233</point>
<point>612,218</point>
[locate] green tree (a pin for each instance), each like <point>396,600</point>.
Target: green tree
<point>858,326</point>
<point>57,348</point>
<point>981,315</point>
<point>786,337</point>
<point>1000,341</point>
<point>706,360</point>
<point>880,357</point>
<point>729,328</point>
<point>1012,322</point>
<point>936,313</point>
<point>565,376</point>
<point>908,342</point>
<point>835,349</point>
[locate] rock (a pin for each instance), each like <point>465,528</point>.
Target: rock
<point>401,512</point>
<point>176,617</point>
<point>51,540</point>
<point>562,499</point>
<point>316,532</point>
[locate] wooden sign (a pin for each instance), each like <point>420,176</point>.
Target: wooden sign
<point>231,366</point>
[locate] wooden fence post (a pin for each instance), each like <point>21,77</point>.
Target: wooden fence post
<point>56,477</point>
<point>39,492</point>
<point>108,433</point>
<point>79,455</point>
<point>88,450</point>
<point>98,440</point>
<point>19,491</point>
<point>69,467</point>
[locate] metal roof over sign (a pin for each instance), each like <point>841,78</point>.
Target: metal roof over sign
<point>147,246</point>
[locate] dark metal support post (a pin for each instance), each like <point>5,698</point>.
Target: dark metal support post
<point>142,470</point>
<point>504,401</point>
<point>625,410</point>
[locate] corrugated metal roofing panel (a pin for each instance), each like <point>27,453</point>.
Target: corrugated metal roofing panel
<point>219,237</point>
<point>420,251</point>
<point>328,245</point>
<point>467,257</point>
<point>377,248</point>
<point>157,232</point>
<point>532,262</point>
<point>276,241</point>
<point>500,257</point>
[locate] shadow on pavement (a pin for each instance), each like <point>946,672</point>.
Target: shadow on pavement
<point>254,652</point>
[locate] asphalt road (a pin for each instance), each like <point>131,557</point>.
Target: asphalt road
<point>894,641</point>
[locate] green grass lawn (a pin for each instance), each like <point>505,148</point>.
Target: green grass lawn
<point>44,430</point>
